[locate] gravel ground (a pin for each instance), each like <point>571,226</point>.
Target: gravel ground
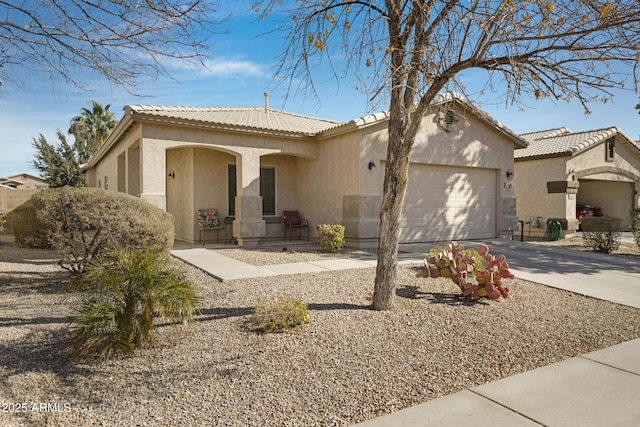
<point>288,253</point>
<point>347,365</point>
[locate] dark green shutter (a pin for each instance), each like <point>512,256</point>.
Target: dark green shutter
<point>232,190</point>
<point>268,190</point>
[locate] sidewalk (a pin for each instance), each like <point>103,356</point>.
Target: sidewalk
<point>596,389</point>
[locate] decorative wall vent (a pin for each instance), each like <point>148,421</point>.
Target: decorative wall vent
<point>447,118</point>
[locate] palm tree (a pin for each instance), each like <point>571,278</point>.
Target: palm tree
<point>122,291</point>
<point>91,128</point>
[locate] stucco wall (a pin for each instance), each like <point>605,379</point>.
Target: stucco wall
<point>530,187</point>
<point>322,183</point>
<point>10,200</point>
<point>108,165</point>
<point>180,192</point>
<point>591,162</point>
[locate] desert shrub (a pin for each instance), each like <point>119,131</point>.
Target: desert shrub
<point>330,237</point>
<point>28,230</point>
<point>477,272</point>
<point>278,314</point>
<point>82,222</point>
<point>121,291</point>
<point>601,233</point>
<point>635,225</point>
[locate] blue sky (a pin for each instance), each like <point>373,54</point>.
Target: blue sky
<point>238,74</point>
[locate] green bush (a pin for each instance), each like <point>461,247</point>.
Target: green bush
<point>27,229</point>
<point>278,314</point>
<point>330,237</point>
<point>635,225</point>
<point>601,234</point>
<point>121,291</point>
<point>82,222</point>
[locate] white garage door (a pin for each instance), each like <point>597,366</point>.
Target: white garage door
<point>448,203</point>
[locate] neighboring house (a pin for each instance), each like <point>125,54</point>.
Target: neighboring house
<point>16,190</point>
<point>253,163</point>
<point>24,181</point>
<point>560,169</point>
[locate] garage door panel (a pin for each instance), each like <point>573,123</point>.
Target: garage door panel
<point>445,203</point>
<point>426,202</point>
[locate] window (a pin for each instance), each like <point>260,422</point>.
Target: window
<point>267,190</point>
<point>232,190</point>
<point>106,182</point>
<point>610,148</point>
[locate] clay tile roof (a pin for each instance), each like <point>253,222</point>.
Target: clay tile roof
<point>241,117</point>
<point>562,142</point>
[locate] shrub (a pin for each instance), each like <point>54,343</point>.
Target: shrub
<point>82,222</point>
<point>2,221</point>
<point>601,233</point>
<point>121,292</point>
<point>278,314</point>
<point>27,229</point>
<point>330,237</point>
<point>635,225</point>
<point>477,273</point>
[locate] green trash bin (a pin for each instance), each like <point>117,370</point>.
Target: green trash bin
<point>554,230</point>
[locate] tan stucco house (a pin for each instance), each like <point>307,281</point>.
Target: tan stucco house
<point>253,163</point>
<point>561,169</point>
<point>24,181</point>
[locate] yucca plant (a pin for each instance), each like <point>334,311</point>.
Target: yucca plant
<point>122,290</point>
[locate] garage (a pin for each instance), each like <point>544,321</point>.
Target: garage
<point>448,203</point>
<point>614,197</point>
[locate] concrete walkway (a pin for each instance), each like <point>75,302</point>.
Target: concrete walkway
<point>224,268</point>
<point>597,389</point>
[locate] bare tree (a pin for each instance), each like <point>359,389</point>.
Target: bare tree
<point>121,40</point>
<point>407,52</point>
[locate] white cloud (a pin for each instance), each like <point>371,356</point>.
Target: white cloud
<point>233,68</point>
<point>220,67</point>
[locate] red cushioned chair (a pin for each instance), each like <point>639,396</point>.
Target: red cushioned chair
<point>292,220</point>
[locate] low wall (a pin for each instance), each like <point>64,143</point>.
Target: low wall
<point>11,199</point>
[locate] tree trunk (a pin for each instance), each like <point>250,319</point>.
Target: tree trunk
<point>395,185</point>
<point>396,171</point>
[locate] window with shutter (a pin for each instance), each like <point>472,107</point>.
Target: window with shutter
<point>267,190</point>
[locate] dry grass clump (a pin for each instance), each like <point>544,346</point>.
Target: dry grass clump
<point>278,314</point>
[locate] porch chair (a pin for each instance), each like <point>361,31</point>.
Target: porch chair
<point>208,220</point>
<point>292,220</point>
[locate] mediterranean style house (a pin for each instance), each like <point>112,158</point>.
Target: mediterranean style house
<point>251,164</point>
<point>560,170</point>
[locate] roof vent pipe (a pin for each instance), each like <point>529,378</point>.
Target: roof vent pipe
<point>266,102</point>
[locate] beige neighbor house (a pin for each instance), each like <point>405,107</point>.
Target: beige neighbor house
<point>24,181</point>
<point>253,163</point>
<point>561,169</point>
<point>16,190</point>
